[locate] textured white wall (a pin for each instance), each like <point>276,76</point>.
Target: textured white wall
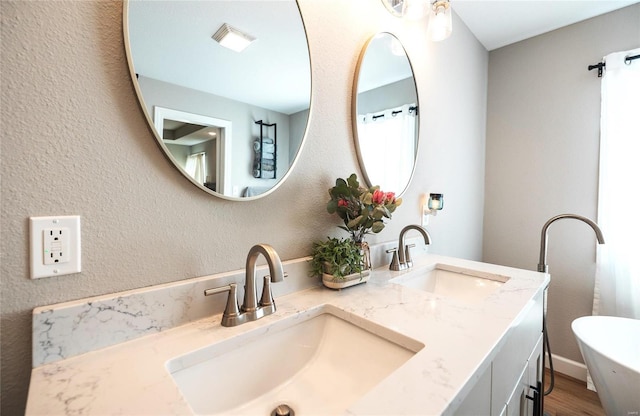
<point>75,141</point>
<point>543,125</point>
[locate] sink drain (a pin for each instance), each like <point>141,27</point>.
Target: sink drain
<point>283,410</point>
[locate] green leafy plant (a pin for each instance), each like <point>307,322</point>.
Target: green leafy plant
<point>339,257</point>
<point>362,210</point>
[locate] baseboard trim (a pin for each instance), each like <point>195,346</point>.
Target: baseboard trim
<point>568,367</point>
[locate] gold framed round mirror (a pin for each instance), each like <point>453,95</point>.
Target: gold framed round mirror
<point>385,114</point>
<point>233,123</point>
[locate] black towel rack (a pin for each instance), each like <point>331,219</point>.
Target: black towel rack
<point>259,170</point>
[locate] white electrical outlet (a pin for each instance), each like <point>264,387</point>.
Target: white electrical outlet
<point>55,246</point>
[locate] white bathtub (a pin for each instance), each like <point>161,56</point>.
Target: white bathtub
<point>610,347</point>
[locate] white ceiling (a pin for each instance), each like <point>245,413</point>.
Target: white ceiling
<point>497,23</point>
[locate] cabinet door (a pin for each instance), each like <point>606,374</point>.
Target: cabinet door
<point>517,403</point>
<point>534,377</point>
<point>521,401</point>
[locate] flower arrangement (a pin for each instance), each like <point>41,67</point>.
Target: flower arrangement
<point>363,210</point>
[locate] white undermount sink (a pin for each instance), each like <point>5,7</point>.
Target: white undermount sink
<point>319,362</point>
<point>462,284</point>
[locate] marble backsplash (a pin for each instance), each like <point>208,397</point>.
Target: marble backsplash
<point>72,328</point>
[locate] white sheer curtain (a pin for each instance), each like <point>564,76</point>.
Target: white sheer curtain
<point>617,290</point>
<point>196,167</point>
<point>388,144</point>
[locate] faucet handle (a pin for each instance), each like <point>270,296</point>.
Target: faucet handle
<point>395,263</point>
<point>267,304</point>
<point>231,314</point>
<point>407,255</point>
<point>267,296</point>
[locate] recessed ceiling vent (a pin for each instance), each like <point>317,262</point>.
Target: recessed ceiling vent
<point>232,38</point>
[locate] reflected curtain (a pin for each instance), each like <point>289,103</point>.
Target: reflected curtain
<point>387,142</point>
<point>196,167</point>
<point>617,290</point>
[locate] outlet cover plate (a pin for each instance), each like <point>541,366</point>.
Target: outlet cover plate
<point>70,262</point>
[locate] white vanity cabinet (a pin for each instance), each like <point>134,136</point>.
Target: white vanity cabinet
<point>503,387</point>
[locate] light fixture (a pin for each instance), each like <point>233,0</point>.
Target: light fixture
<point>411,9</point>
<point>394,6</point>
<point>430,206</point>
<point>440,24</point>
<point>436,202</point>
<point>232,38</point>
<point>415,9</point>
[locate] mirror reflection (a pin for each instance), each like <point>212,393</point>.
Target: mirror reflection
<point>232,122</point>
<point>385,114</point>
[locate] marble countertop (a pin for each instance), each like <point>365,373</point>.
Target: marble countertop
<point>460,338</point>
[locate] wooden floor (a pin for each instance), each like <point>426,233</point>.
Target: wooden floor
<point>570,397</point>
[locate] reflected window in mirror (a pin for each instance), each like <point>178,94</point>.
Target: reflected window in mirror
<point>177,65</point>
<point>196,167</point>
<point>386,114</point>
<point>388,145</point>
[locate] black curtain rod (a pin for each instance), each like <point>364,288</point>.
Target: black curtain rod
<point>393,113</point>
<point>601,65</point>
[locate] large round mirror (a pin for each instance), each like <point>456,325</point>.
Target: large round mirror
<point>232,121</point>
<point>385,114</point>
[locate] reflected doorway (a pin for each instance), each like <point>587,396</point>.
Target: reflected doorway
<point>197,145</point>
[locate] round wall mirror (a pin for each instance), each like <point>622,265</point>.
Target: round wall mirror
<point>385,114</point>
<point>232,120</point>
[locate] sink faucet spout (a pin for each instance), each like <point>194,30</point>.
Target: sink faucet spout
<point>542,265</point>
<point>401,259</point>
<point>276,274</point>
<point>251,310</point>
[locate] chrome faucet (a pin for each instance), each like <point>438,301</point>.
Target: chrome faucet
<point>251,309</point>
<point>544,268</point>
<point>401,254</point>
<point>542,265</point>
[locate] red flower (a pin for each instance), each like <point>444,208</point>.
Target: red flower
<point>343,202</point>
<point>378,197</point>
<point>390,197</point>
